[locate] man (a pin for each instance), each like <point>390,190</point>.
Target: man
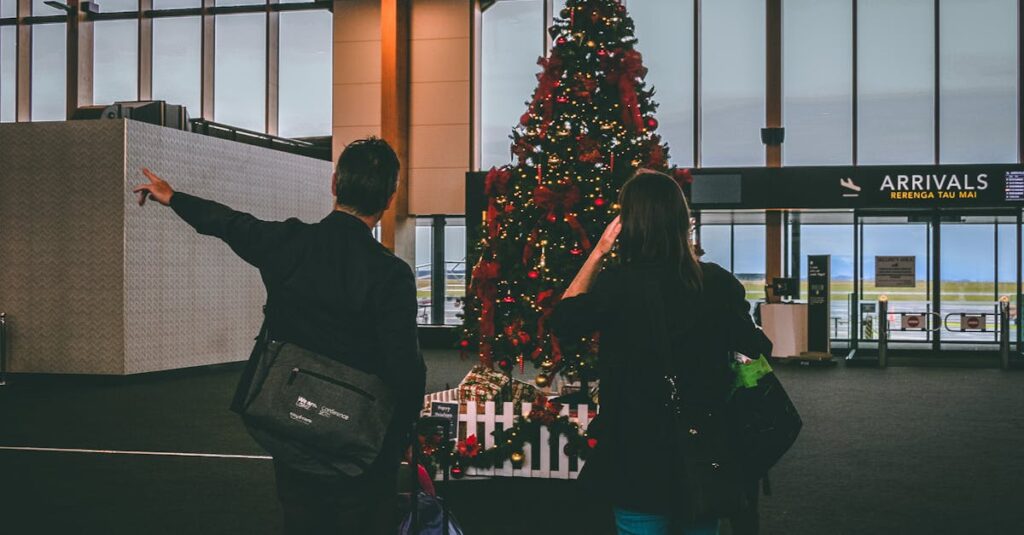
<point>334,290</point>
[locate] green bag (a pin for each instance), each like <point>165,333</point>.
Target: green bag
<point>747,375</point>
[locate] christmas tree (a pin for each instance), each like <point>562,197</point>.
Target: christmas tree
<point>588,127</point>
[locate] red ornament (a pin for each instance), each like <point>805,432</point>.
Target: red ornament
<point>599,201</point>
<point>457,472</point>
<point>575,251</point>
<point>509,208</point>
<point>504,364</point>
<point>561,41</point>
<point>562,99</point>
<point>602,52</point>
<point>508,299</point>
<point>591,443</point>
<point>533,274</point>
<point>552,218</point>
<point>464,343</point>
<point>652,123</point>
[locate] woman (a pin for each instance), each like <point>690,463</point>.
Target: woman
<point>658,287</point>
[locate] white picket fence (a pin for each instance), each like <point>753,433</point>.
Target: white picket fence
<point>543,458</point>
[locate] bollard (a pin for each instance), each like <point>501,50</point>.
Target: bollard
<point>1004,332</point>
<point>883,331</point>
<point>3,348</point>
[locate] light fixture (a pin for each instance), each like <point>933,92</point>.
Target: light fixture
<point>58,5</point>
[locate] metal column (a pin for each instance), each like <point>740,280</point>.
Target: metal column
<point>3,348</point>
<point>1004,332</point>
<point>883,332</point>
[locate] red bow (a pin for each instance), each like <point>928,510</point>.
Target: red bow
<point>496,182</point>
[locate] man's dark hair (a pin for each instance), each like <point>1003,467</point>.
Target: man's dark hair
<point>366,175</point>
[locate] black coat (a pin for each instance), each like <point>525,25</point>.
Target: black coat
<point>331,289</point>
<point>630,465</point>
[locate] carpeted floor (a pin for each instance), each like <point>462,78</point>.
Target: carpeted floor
<point>901,450</point>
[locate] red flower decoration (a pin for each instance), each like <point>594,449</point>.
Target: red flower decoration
<point>469,447</point>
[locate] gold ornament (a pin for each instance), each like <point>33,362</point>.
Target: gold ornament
<point>542,380</point>
<point>517,457</point>
<point>591,44</point>
<point>554,159</point>
<point>546,365</point>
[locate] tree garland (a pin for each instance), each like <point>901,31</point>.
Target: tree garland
<point>509,443</point>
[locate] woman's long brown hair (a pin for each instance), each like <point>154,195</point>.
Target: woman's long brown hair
<point>656,225</point>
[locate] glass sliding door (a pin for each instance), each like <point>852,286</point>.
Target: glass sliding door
<point>910,317</point>
<point>968,283</point>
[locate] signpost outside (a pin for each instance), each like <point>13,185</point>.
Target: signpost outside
<point>895,272</point>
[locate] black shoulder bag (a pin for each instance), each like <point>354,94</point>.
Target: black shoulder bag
<point>310,410</point>
<point>705,462</point>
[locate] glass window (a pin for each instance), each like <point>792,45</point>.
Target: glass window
<point>454,268</point>
<point>8,72</point>
<point>305,77</point>
<point>668,55</point>
<point>176,4</point>
<point>177,56</point>
<point>240,94</point>
<point>978,81</point>
<point>732,82</point>
<point>513,39</point>
<point>238,2</point>
<point>49,72</point>
<point>749,262</point>
<point>716,242</point>
<point>424,244</point>
<point>896,82</point>
<point>817,84</point>
<point>115,61</point>
<point>114,6</point>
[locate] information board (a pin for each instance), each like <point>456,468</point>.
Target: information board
<point>895,271</point>
<point>1014,186</point>
<point>818,302</point>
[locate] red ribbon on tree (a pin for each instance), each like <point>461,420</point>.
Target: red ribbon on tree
<point>484,276</point>
<point>624,75</point>
<point>548,78</point>
<point>496,183</point>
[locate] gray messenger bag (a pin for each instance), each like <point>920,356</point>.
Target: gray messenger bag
<point>316,413</point>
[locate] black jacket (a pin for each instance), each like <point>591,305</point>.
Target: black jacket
<point>704,329</point>
<point>331,289</point>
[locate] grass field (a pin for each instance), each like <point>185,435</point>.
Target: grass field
<point>952,291</point>
<point>960,291</point>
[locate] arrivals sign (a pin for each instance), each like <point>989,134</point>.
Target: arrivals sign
<point>914,186</point>
<point>895,271</point>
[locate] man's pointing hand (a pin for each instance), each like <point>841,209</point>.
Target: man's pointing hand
<point>157,188</point>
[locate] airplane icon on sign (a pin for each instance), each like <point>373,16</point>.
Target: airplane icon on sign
<point>851,186</point>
